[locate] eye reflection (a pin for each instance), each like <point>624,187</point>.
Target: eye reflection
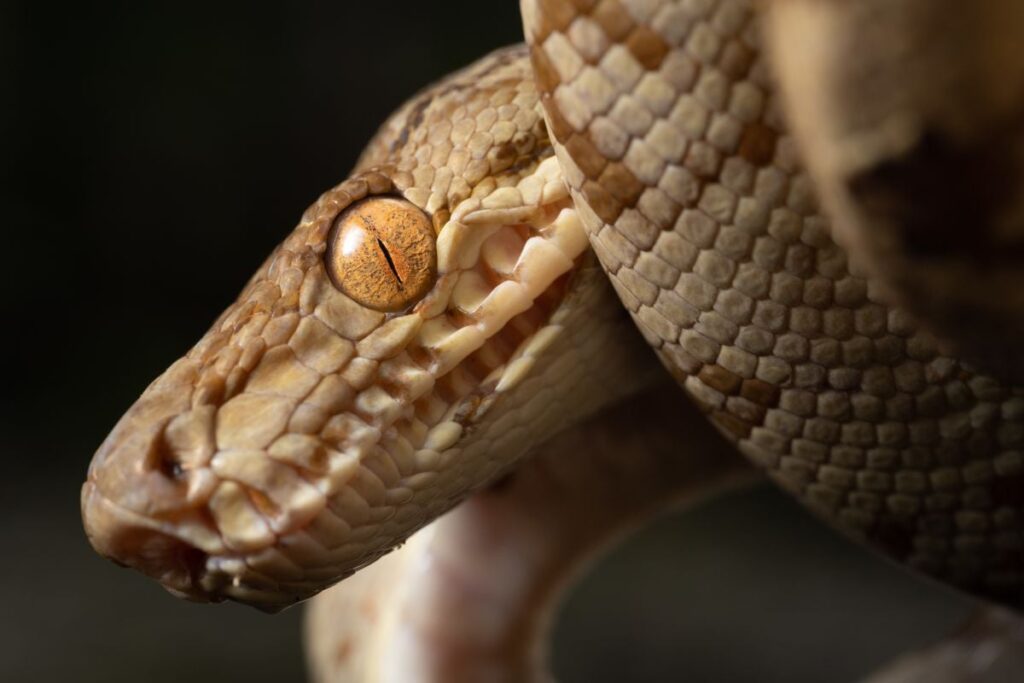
<point>382,253</point>
<point>352,241</point>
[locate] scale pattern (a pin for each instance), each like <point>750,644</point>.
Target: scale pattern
<point>306,435</point>
<point>663,117</point>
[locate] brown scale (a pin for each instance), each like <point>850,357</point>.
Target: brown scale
<point>266,507</point>
<point>501,348</point>
<point>427,412</point>
<point>420,356</point>
<point>846,460</point>
<point>381,464</point>
<point>481,362</point>
<point>454,385</point>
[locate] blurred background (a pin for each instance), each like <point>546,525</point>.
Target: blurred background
<point>154,153</point>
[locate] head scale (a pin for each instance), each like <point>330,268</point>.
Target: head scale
<point>372,372</point>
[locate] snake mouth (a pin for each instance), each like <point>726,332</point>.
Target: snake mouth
<point>140,543</point>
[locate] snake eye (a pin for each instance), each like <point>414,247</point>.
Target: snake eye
<point>381,253</point>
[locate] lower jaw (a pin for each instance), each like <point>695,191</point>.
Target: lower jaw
<point>131,540</point>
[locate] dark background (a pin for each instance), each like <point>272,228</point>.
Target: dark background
<point>153,154</point>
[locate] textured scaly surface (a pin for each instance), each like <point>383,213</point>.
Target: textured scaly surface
<point>306,435</point>
<point>665,122</point>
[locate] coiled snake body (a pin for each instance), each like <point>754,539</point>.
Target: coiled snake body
<point>439,314</point>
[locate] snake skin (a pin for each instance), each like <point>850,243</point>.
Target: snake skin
<point>664,120</point>
<point>910,116</point>
<point>306,435</point>
<point>504,559</point>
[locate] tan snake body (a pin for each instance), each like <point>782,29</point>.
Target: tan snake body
<point>307,434</point>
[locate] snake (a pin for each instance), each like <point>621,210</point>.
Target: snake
<point>489,283</point>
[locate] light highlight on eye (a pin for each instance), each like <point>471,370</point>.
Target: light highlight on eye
<point>382,253</point>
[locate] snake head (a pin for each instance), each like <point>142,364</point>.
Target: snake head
<point>430,319</point>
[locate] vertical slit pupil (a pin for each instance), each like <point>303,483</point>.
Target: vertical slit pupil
<point>391,263</point>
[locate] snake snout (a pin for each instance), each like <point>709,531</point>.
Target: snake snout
<point>144,465</point>
<point>142,504</point>
<point>137,542</point>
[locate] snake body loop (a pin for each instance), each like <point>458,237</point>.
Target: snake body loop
<point>670,134</point>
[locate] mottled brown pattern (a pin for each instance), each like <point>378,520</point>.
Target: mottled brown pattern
<point>621,183</point>
<point>729,270</point>
<point>648,48</point>
<point>758,144</point>
<point>590,161</point>
<point>613,19</point>
<point>911,116</point>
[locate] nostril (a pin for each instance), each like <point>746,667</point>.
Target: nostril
<point>186,441</point>
<point>164,458</point>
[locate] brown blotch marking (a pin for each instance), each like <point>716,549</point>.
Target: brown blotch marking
<point>444,390</point>
<point>420,356</point>
<point>760,392</point>
<point>525,142</point>
<point>342,650</point>
<point>477,366</point>
<point>502,346</point>
<point>558,126</point>
<point>319,463</point>
<point>757,145</point>
<point>602,202</point>
<point>424,411</point>
<point>382,253</point>
<point>556,15</point>
<point>647,46</point>
<point>586,156</point>
<point>440,219</point>
<point>622,183</point>
<point>535,156</point>
<point>368,608</point>
<point>720,379</point>
<point>544,72</point>
<point>505,152</point>
<point>734,426</point>
<point>613,19</point>
<point>736,60</point>
<point>262,503</point>
<point>459,319</point>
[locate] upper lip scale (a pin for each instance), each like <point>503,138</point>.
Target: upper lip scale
<point>92,496</point>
